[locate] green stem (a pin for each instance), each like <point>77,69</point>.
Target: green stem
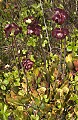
<point>60,57</point>
<point>64,67</point>
<point>46,69</point>
<point>26,81</point>
<point>47,35</point>
<point>14,54</point>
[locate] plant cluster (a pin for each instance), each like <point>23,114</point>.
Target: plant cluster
<point>59,17</point>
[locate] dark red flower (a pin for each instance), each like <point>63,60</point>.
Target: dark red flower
<point>10,27</point>
<point>60,16</point>
<point>33,26</point>
<point>30,30</point>
<point>27,63</point>
<point>34,29</point>
<point>60,33</point>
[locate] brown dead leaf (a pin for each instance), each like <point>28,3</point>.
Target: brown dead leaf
<point>55,74</point>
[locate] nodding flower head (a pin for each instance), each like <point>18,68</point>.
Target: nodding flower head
<point>27,64</point>
<point>12,27</point>
<point>33,27</point>
<point>59,16</point>
<point>60,33</point>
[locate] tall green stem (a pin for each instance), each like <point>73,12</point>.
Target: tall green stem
<point>64,64</point>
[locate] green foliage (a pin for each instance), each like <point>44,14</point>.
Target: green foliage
<point>4,113</point>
